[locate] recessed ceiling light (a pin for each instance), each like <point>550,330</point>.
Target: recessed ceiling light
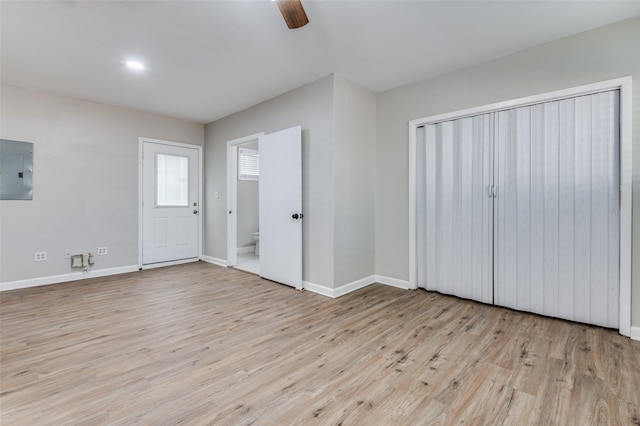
<point>135,65</point>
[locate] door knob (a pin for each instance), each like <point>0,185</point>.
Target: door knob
<point>294,216</point>
<point>195,212</point>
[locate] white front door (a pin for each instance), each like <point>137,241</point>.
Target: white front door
<point>280,202</point>
<point>170,202</point>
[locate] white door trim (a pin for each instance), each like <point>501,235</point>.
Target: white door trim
<point>141,142</point>
<point>626,173</point>
<point>232,195</point>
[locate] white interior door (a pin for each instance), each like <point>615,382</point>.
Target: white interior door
<point>558,209</point>
<point>170,202</point>
<point>454,208</point>
<point>280,203</point>
<point>552,176</point>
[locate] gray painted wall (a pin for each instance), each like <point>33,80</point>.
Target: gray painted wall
<point>601,54</point>
<point>248,219</point>
<point>355,135</point>
<point>85,180</point>
<point>248,212</point>
<point>338,150</point>
<point>248,209</point>
<point>311,107</point>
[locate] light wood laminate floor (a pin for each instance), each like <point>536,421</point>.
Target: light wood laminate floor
<point>200,344</point>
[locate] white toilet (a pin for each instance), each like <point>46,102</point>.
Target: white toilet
<point>256,237</point>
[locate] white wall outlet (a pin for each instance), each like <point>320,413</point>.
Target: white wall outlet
<point>102,251</point>
<point>67,254</point>
<point>40,256</point>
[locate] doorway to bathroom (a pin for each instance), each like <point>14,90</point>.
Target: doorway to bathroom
<point>243,174</point>
<point>277,241</point>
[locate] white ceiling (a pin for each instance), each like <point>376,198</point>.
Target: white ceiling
<point>208,59</point>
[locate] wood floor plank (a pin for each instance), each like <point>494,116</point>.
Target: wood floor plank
<point>200,344</point>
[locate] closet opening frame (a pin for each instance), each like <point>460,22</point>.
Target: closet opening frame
<point>624,84</point>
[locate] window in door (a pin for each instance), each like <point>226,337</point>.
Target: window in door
<point>172,180</point>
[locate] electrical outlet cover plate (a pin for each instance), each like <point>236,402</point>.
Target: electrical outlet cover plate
<point>76,261</point>
<point>40,256</point>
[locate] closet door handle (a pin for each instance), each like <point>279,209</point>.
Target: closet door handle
<point>492,191</point>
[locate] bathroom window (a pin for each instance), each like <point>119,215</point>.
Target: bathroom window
<point>248,164</point>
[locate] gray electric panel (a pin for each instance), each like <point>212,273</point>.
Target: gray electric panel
<point>16,170</point>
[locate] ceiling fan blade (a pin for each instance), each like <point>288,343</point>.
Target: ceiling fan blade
<point>293,13</point>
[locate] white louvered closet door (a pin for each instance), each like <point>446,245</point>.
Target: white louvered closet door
<point>454,211</point>
<point>557,212</point>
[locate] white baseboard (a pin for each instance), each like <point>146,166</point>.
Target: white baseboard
<point>247,249</point>
<point>393,282</point>
<point>215,261</point>
<point>318,289</point>
<point>635,333</point>
<point>355,285</point>
<point>172,263</point>
<point>73,276</point>
<point>340,291</point>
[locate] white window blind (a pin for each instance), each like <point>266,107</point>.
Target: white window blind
<point>172,180</point>
<point>248,164</point>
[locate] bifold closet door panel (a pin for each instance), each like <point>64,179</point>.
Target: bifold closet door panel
<point>557,211</point>
<point>454,209</point>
